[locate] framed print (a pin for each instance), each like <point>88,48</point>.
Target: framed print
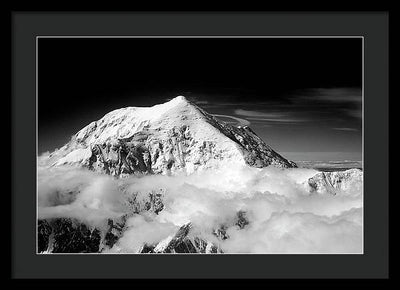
<point>235,139</point>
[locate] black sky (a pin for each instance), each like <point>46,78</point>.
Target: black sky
<point>300,95</point>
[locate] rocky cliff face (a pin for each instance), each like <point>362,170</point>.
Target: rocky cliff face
<point>349,181</point>
<point>176,136</point>
<point>70,235</point>
<point>63,235</point>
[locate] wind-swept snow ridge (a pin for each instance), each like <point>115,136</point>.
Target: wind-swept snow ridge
<point>173,137</point>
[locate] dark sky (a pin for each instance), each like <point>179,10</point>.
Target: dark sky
<point>302,96</point>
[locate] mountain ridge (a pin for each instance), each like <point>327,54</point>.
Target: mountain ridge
<point>166,138</point>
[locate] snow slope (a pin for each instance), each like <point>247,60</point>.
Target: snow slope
<point>173,137</point>
<point>348,182</point>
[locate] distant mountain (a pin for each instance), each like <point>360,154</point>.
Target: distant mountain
<point>339,165</point>
<point>349,181</point>
<point>176,136</point>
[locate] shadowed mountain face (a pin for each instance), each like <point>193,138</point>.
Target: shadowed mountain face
<point>173,137</point>
<point>70,236</point>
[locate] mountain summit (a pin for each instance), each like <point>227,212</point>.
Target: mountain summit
<point>173,137</point>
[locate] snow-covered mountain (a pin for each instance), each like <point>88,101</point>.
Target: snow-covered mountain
<point>348,181</point>
<point>81,211</point>
<point>176,136</point>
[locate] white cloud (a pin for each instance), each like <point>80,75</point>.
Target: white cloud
<point>283,216</point>
<point>288,117</point>
<point>345,129</point>
<point>250,113</point>
<point>239,121</point>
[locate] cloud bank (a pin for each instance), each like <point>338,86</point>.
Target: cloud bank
<point>283,217</point>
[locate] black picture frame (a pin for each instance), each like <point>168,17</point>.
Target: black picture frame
<point>372,26</point>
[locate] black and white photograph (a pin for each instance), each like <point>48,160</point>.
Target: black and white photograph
<point>199,145</point>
